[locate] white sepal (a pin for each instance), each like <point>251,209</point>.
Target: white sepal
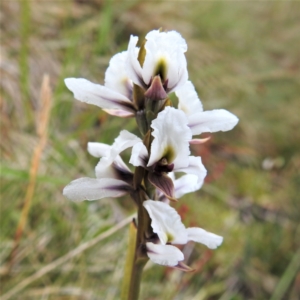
<point>122,142</point>
<point>171,138</point>
<point>97,94</point>
<point>203,121</point>
<point>188,99</point>
<point>93,189</point>
<point>108,170</point>
<point>194,167</point>
<point>105,169</point>
<point>133,67</point>
<point>204,237</point>
<point>166,222</point>
<point>98,149</point>
<point>166,255</point>
<point>186,184</point>
<point>116,77</point>
<point>139,155</point>
<point>212,121</point>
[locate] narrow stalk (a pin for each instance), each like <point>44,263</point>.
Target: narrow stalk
<point>24,52</point>
<point>136,277</point>
<point>140,257</point>
<point>129,261</point>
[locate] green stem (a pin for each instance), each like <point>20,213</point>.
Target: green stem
<point>136,277</point>
<point>140,257</point>
<point>129,261</point>
<point>136,256</point>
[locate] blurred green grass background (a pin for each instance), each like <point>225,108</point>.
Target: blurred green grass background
<point>242,56</point>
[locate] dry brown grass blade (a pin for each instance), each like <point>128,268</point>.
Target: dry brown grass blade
<point>42,122</point>
<point>65,258</point>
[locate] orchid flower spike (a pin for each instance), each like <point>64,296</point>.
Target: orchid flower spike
<point>167,225</point>
<point>137,84</point>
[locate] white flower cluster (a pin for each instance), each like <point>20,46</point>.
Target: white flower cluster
<point>137,84</point>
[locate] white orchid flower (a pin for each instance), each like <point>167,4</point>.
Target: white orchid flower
<point>201,121</point>
<point>113,177</point>
<point>169,151</point>
<point>171,138</point>
<point>115,97</point>
<point>164,58</point>
<point>166,223</point>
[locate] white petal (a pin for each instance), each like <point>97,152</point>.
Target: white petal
<point>176,82</point>
<point>169,39</point>
<point>98,149</point>
<point>120,164</point>
<point>177,73</point>
<point>97,94</point>
<point>150,62</point>
<point>172,176</point>
<point>212,121</point>
<point>166,222</point>
<point>186,184</point>
<point>116,77</point>
<point>104,169</point>
<point>169,47</point>
<point>166,255</point>
<point>195,167</point>
<point>133,67</point>
<point>188,99</point>
<point>93,189</point>
<point>182,185</point>
<point>202,236</point>
<point>171,138</point>
<point>122,142</point>
<point>139,155</point>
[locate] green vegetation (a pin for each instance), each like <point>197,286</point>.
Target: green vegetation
<point>242,56</point>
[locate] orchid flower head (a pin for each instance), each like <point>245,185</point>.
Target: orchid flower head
<point>166,223</point>
<point>164,58</point>
<point>115,97</point>
<point>169,149</point>
<point>113,177</point>
<point>171,138</point>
